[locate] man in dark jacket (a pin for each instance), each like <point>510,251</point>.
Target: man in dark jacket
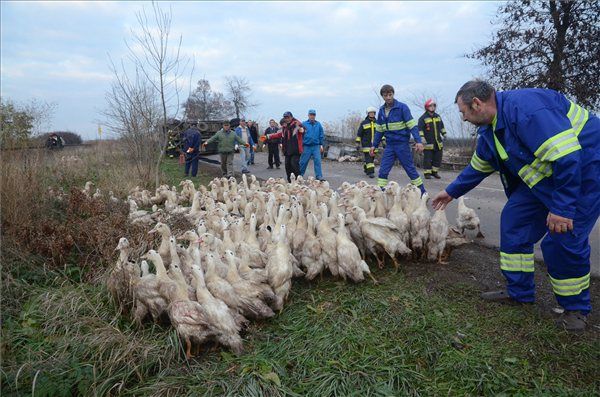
<point>191,149</point>
<point>364,140</point>
<point>432,132</point>
<point>291,135</point>
<point>272,145</point>
<point>253,127</point>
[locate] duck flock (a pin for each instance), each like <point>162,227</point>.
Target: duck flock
<point>249,241</point>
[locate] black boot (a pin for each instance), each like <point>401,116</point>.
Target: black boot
<point>435,175</point>
<point>427,176</point>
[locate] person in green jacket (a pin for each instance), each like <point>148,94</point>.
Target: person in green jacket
<point>227,140</point>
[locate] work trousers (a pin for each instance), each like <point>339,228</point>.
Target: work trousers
<point>566,255</point>
<point>432,161</point>
<point>402,152</point>
<point>227,164</point>
<point>369,165</point>
<point>292,165</point>
<point>245,158</point>
<point>274,155</point>
<point>191,162</point>
<point>314,152</point>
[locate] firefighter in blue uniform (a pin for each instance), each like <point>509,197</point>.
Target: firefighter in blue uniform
<point>432,132</point>
<point>547,151</point>
<point>395,122</point>
<point>364,140</point>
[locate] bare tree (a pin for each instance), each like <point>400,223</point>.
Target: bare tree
<point>239,92</point>
<point>134,113</point>
<point>345,127</point>
<point>158,59</point>
<point>206,104</point>
<point>549,43</point>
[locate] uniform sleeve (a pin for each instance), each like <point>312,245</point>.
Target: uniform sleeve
<point>359,133</point>
<point>421,126</point>
<point>443,130</point>
<point>551,138</point>
<point>411,124</point>
<point>321,135</point>
<point>477,170</point>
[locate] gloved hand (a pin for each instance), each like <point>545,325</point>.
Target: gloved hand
<point>263,138</point>
<point>247,145</point>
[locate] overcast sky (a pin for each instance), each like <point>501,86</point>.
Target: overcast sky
<point>298,55</point>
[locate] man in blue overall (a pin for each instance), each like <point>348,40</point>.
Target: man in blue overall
<point>191,149</point>
<point>395,122</point>
<point>547,150</point>
<point>312,144</point>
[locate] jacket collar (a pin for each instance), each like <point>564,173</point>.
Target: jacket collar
<point>498,122</point>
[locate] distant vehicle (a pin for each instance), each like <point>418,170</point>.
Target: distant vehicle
<point>207,129</point>
<point>55,142</point>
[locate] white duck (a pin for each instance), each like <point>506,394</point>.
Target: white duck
<point>467,218</point>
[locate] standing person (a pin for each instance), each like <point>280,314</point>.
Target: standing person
<point>547,151</point>
<point>395,122</point>
<point>191,149</point>
<point>272,144</point>
<point>226,140</point>
<point>432,132</point>
<point>312,144</point>
<point>244,132</point>
<point>254,134</point>
<point>364,140</point>
<point>291,135</point>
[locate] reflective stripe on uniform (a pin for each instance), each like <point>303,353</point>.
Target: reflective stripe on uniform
<point>429,146</point>
<point>370,165</point>
<point>427,172</point>
<point>578,117</point>
<point>532,173</point>
<point>417,182</point>
<point>516,262</point>
<point>481,165</point>
<point>411,123</point>
<point>382,182</point>
<point>435,169</point>
<point>558,146</point>
<point>570,286</point>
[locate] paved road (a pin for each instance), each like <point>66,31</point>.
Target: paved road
<point>487,199</point>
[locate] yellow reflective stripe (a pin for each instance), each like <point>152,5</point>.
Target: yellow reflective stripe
<point>368,149</point>
<point>427,172</point>
<point>417,182</point>
<point>517,262</point>
<point>357,139</point>
<point>435,169</point>
<point>558,146</point>
<point>381,182</point>
<point>480,164</point>
<point>421,134</point>
<point>429,146</point>
<point>570,286</point>
<point>578,117</point>
<point>500,148</point>
<point>399,125</point>
<point>370,165</point>
<point>427,120</point>
<point>538,170</point>
<point>380,127</point>
<point>411,123</point>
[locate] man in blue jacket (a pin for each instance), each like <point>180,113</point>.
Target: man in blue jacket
<point>312,143</point>
<point>395,122</point>
<point>547,151</point>
<point>191,149</point>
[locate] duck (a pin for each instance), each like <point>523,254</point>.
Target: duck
<point>164,250</point>
<point>279,269</point>
<point>222,321</point>
<point>122,277</point>
<point>350,263</point>
<point>419,226</point>
<point>467,218</point>
<point>328,241</point>
<point>311,258</point>
<point>438,233</point>
<point>149,289</point>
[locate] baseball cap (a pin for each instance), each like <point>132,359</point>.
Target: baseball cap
<point>288,114</point>
<point>312,111</point>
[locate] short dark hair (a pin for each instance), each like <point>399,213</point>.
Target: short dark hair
<point>385,89</point>
<point>474,89</point>
<point>226,123</point>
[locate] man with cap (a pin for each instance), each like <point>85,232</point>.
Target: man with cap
<point>364,140</point>
<point>312,143</point>
<point>226,141</point>
<point>432,132</point>
<point>291,134</point>
<point>191,149</point>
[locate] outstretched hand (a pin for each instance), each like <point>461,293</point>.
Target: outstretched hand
<point>419,147</point>
<point>441,200</point>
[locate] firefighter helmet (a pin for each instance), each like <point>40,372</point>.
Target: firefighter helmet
<point>429,102</point>
<point>371,109</point>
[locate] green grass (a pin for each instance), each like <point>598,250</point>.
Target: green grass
<point>332,339</point>
<point>173,173</point>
